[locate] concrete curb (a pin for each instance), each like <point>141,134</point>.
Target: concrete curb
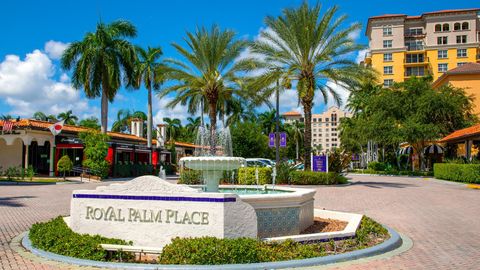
<point>394,242</point>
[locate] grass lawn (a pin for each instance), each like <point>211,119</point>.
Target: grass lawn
<point>34,180</point>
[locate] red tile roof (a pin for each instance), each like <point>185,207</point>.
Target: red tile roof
<point>292,113</point>
<point>466,69</point>
<point>462,133</point>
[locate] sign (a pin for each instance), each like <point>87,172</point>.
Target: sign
<point>283,139</point>
<point>271,140</point>
<point>320,164</point>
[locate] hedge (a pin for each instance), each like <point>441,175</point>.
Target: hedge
<point>55,236</point>
<point>316,178</point>
<point>467,173</point>
<point>393,172</point>
<point>246,175</point>
<point>190,177</point>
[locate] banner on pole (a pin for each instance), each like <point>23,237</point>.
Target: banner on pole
<point>320,164</point>
<point>283,139</point>
<point>271,140</point>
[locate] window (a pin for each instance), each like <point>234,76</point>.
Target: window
<point>414,31</point>
<point>326,140</point>
<point>456,26</point>
<point>333,117</point>
<point>327,144</point>
<point>414,45</point>
<point>387,43</point>
<point>387,30</point>
<point>388,82</point>
<point>314,119</point>
<point>465,26</point>
<point>446,27</point>
<point>442,40</point>
<point>388,70</point>
<point>461,64</point>
<point>326,119</point>
<point>414,58</point>
<point>415,71</point>
<point>387,57</point>
<point>334,135</point>
<point>462,39</point>
<point>334,145</point>
<point>461,52</point>
<point>442,54</point>
<point>442,67</point>
<point>438,28</point>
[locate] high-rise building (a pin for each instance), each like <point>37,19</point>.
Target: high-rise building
<point>325,133</point>
<point>401,46</point>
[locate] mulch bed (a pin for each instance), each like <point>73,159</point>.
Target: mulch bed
<point>325,225</point>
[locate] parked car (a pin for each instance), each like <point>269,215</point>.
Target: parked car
<point>258,162</point>
<point>299,167</point>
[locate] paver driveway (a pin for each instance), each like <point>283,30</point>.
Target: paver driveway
<point>441,218</point>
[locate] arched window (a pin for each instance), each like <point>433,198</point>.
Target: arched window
<point>465,26</point>
<point>456,26</point>
<point>446,27</point>
<point>438,27</point>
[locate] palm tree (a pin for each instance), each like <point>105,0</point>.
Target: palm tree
<point>310,49</point>
<point>149,71</point>
<point>207,76</point>
<point>173,128</point>
<point>193,124</point>
<point>100,60</point>
<point>296,130</point>
<point>43,117</point>
<point>6,117</point>
<point>124,120</point>
<point>68,117</point>
<point>91,122</point>
<point>267,121</point>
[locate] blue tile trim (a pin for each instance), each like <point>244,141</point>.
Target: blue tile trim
<point>152,198</point>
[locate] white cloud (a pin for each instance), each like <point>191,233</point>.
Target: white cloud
<point>361,55</point>
<point>161,111</point>
<point>342,92</point>
<point>355,34</point>
<point>54,49</point>
<point>29,85</point>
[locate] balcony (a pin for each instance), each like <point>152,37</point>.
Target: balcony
<point>417,33</point>
<point>415,47</point>
<point>419,62</point>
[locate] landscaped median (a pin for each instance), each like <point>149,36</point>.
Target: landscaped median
<point>466,173</point>
<point>245,253</point>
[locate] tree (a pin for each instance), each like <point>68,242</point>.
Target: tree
<point>208,74</point>
<point>193,124</point>
<point>64,165</point>
<point>149,71</point>
<point>311,49</point>
<point>124,120</point>
<point>267,120</point>
<point>295,130</point>
<point>95,151</point>
<point>68,117</point>
<point>174,125</point>
<point>91,122</point>
<point>6,117</point>
<point>99,62</point>
<point>248,141</point>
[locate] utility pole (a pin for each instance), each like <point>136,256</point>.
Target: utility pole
<point>277,125</point>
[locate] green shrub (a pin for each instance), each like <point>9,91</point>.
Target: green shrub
<point>377,166</point>
<point>246,175</point>
<point>338,160</point>
<point>284,173</point>
<point>468,173</point>
<point>55,236</point>
<point>393,172</point>
<point>96,149</point>
<point>317,178</point>
<point>64,165</point>
<point>190,177</point>
<point>13,172</point>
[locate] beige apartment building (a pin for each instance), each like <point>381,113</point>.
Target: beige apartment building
<point>325,134</point>
<point>401,46</point>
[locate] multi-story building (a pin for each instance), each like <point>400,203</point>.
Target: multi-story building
<point>325,134</point>
<point>402,46</point>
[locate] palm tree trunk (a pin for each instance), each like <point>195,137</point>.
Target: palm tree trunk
<point>149,119</point>
<point>213,124</point>
<point>104,110</point>
<point>296,149</point>
<point>307,141</point>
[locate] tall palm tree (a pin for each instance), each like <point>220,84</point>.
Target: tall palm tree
<point>208,73</point>
<point>100,60</point>
<point>149,71</point>
<point>296,130</point>
<point>313,49</point>
<point>193,124</point>
<point>68,117</point>
<point>6,117</point>
<point>174,125</point>
<point>267,121</point>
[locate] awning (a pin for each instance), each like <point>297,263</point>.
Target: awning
<point>405,151</point>
<point>433,149</point>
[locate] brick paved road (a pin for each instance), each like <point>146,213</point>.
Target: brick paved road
<point>441,218</point>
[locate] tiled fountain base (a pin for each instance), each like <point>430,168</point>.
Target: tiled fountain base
<point>273,222</point>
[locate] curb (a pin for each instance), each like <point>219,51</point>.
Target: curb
<point>394,242</point>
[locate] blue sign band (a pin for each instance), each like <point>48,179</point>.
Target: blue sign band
<point>151,198</point>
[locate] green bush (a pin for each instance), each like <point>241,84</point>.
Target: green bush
<point>338,160</point>
<point>190,177</point>
<point>377,166</point>
<point>246,176</point>
<point>317,178</point>
<point>393,172</point>
<point>64,165</point>
<point>13,172</point>
<point>55,236</point>
<point>468,173</point>
<point>96,149</point>
<point>284,173</point>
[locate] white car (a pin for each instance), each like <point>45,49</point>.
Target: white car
<point>259,162</point>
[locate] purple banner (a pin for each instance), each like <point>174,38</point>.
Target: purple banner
<point>283,139</point>
<point>271,140</point>
<point>319,164</point>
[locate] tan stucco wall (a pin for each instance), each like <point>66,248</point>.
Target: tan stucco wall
<point>471,84</point>
<point>10,155</point>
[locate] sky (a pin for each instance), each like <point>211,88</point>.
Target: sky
<point>35,33</point>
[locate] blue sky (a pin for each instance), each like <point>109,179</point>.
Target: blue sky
<point>35,32</point>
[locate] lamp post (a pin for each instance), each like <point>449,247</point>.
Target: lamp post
<point>277,125</point>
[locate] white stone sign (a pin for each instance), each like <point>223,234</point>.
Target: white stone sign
<point>150,212</point>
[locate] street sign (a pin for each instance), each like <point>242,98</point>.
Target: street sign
<point>283,139</point>
<point>320,163</point>
<point>271,140</point>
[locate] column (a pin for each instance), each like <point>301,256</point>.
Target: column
<point>26,156</point>
<point>468,149</point>
<point>52,160</point>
